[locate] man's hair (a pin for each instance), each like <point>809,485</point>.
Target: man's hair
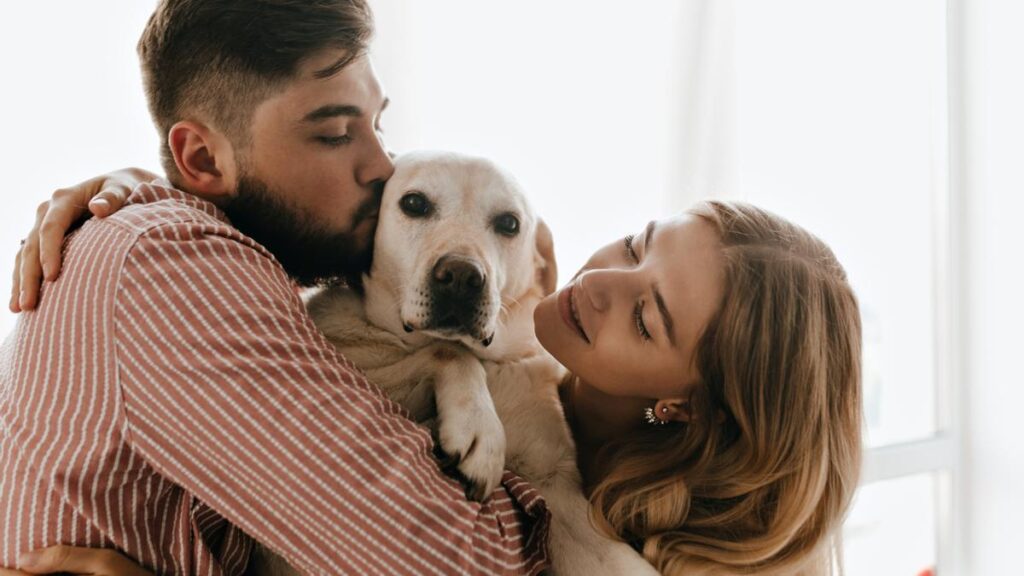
<point>216,60</point>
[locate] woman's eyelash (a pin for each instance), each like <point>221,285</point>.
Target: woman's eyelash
<point>638,310</point>
<point>630,253</point>
<point>638,317</point>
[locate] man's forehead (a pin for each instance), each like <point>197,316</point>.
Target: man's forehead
<point>328,63</point>
<point>320,81</point>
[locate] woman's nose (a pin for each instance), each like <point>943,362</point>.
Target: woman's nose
<point>601,287</point>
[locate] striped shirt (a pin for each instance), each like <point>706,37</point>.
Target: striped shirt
<point>170,398</point>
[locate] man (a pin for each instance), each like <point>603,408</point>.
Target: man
<point>169,397</point>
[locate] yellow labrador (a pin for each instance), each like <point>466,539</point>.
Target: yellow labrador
<point>445,327</point>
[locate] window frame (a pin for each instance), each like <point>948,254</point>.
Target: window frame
<point>944,455</point>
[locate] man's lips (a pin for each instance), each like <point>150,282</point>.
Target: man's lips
<point>565,309</point>
<point>367,221</point>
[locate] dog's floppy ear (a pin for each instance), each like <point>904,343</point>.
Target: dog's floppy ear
<point>544,257</point>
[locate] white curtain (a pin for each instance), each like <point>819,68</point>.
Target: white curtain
<point>706,111</point>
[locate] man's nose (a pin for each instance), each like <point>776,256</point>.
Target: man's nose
<point>378,166</point>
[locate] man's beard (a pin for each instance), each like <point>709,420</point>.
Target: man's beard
<point>310,254</point>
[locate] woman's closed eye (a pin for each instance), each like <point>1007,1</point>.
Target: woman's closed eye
<point>638,309</point>
<point>638,318</point>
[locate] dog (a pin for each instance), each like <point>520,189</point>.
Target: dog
<point>444,326</point>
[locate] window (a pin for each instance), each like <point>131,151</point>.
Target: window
<point>842,114</point>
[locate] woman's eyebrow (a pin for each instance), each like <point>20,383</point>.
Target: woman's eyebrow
<point>666,318</point>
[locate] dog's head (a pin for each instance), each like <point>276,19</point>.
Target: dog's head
<point>459,254</point>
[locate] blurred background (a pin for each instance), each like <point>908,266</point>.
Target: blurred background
<point>893,129</point>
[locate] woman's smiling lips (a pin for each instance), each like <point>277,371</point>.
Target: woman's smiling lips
<point>569,311</point>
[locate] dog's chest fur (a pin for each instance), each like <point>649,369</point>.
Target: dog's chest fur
<point>521,386</point>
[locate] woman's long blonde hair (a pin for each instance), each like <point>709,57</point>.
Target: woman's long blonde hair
<point>759,480</point>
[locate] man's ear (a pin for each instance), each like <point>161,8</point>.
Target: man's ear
<point>205,159</point>
<point>544,258</point>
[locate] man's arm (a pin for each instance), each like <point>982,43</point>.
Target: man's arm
<point>230,392</point>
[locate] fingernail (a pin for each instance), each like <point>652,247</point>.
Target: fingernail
<point>30,559</point>
<point>46,271</point>
<point>100,204</point>
<point>23,300</point>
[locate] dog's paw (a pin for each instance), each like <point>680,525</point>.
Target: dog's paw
<point>477,442</point>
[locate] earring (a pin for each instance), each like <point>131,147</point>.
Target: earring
<point>653,420</point>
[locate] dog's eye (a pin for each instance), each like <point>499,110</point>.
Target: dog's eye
<point>415,205</point>
<point>507,224</point>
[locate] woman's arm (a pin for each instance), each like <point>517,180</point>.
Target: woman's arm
<point>39,257</point>
<point>71,560</point>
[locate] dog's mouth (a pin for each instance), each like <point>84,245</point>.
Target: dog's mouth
<point>453,301</point>
<point>450,333</point>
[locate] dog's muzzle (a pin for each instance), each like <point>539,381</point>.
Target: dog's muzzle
<point>457,292</point>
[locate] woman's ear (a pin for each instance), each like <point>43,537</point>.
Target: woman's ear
<point>673,410</point>
<point>547,270</point>
<point>205,159</point>
<point>680,410</point>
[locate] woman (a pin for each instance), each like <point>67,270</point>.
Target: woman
<point>754,450</point>
<point>715,396</point>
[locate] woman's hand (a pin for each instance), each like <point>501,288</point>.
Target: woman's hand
<point>39,257</point>
<point>72,560</point>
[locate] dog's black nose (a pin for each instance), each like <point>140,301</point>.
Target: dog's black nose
<point>457,277</point>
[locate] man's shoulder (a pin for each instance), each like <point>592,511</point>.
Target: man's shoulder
<point>157,203</point>
<point>156,213</point>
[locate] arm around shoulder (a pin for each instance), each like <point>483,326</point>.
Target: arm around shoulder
<point>230,392</point>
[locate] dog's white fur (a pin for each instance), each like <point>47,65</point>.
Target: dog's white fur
<point>497,405</point>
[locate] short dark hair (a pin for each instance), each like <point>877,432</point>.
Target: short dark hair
<point>219,59</point>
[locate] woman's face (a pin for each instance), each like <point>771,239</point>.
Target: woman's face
<point>628,323</point>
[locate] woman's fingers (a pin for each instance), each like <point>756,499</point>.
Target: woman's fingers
<point>30,270</point>
<point>66,208</point>
<point>69,559</point>
<point>116,187</point>
<point>108,201</point>
<point>40,256</point>
<point>16,284</point>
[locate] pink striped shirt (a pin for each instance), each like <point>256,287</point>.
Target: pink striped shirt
<point>171,396</point>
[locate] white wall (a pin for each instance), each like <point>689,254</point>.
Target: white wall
<point>71,107</point>
<point>995,284</point>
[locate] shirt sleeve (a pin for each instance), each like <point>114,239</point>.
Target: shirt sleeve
<point>231,392</point>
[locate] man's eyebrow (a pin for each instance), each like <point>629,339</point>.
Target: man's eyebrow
<point>335,110</point>
<point>333,69</point>
<point>332,111</point>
